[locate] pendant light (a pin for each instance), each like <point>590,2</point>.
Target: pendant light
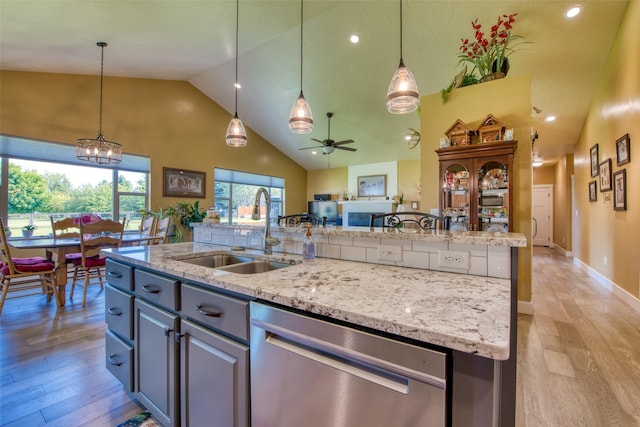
<point>301,118</point>
<point>99,150</point>
<point>236,135</point>
<point>402,95</point>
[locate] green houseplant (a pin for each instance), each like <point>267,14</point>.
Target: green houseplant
<point>27,230</point>
<point>184,213</point>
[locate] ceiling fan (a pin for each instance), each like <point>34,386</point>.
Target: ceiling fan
<point>329,145</point>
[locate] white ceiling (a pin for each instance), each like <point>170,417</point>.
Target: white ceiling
<point>195,41</point>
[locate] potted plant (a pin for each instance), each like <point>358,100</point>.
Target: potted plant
<point>27,230</point>
<point>184,213</point>
<point>7,231</point>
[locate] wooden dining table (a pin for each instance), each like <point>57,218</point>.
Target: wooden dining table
<point>57,249</point>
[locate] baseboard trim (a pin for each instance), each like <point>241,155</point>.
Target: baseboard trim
<point>566,253</point>
<point>609,285</point>
<point>525,307</point>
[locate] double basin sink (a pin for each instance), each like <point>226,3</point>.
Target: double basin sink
<point>233,263</point>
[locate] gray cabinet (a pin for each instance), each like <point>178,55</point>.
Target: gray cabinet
<point>119,348</point>
<point>182,349</point>
<point>214,377</point>
<point>156,356</point>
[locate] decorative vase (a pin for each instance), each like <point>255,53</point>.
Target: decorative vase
<point>503,69</point>
<point>7,233</point>
<point>27,234</point>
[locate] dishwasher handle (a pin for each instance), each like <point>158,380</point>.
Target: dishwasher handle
<point>335,356</point>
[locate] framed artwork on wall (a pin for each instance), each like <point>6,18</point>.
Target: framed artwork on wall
<point>593,191</point>
<point>605,176</point>
<point>183,183</point>
<point>623,150</point>
<point>372,186</point>
<point>620,190</point>
<point>595,161</point>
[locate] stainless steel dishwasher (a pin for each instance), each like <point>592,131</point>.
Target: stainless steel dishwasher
<point>314,373</point>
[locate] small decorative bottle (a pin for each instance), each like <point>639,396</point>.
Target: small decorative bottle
<point>308,247</point>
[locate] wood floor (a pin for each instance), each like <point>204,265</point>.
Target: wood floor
<point>578,358</point>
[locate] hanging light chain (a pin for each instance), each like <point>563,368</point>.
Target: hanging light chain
<point>236,81</point>
<point>102,46</point>
<point>301,39</point>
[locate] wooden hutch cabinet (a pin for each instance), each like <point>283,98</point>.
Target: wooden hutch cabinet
<point>475,186</point>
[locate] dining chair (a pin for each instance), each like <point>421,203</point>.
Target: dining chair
<point>297,219</point>
<point>95,236</point>
<point>66,228</point>
<point>148,226</point>
<point>406,219</point>
<point>24,275</point>
<point>162,231</point>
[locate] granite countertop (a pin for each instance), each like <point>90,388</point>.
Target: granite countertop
<point>463,312</point>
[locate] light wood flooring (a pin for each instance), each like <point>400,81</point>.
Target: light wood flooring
<point>578,358</point>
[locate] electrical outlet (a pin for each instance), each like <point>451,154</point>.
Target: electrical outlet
<point>454,259</point>
<point>389,253</point>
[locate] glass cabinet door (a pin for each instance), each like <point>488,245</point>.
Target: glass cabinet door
<point>456,197</point>
<point>493,197</point>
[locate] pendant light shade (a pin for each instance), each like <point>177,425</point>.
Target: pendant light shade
<point>402,95</point>
<point>99,150</point>
<point>301,118</point>
<point>236,134</point>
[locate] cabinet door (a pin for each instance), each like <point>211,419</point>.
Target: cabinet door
<point>156,358</point>
<point>215,379</point>
<point>456,189</point>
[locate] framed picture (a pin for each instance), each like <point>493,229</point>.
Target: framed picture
<point>183,183</point>
<point>595,160</point>
<point>620,190</point>
<point>372,186</point>
<point>623,150</point>
<point>605,176</point>
<point>414,206</point>
<point>593,191</point>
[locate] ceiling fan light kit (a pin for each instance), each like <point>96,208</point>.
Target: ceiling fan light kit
<point>99,150</point>
<point>301,118</point>
<point>402,95</point>
<point>329,145</point>
<point>236,135</point>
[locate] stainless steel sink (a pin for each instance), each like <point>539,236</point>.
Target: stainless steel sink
<point>216,260</point>
<point>254,267</point>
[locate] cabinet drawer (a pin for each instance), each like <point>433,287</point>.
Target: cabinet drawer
<point>119,275</point>
<point>119,361</point>
<point>226,314</point>
<point>118,310</point>
<point>157,289</point>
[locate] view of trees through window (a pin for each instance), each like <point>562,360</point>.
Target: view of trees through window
<point>37,190</point>
<point>234,202</point>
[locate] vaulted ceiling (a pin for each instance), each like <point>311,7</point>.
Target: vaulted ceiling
<point>195,41</point>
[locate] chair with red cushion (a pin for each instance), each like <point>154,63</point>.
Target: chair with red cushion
<point>66,228</point>
<point>23,275</point>
<point>95,236</point>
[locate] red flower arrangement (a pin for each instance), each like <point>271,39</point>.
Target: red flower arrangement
<point>483,52</point>
<point>86,218</point>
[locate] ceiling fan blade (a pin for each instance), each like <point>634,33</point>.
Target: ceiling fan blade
<point>309,148</point>
<point>317,140</point>
<point>346,141</point>
<point>345,148</point>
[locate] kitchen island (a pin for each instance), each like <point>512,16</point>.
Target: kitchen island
<point>469,317</point>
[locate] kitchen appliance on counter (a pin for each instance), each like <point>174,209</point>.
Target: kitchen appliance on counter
<point>314,373</point>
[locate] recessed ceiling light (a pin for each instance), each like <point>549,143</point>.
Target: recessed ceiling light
<point>550,118</point>
<point>354,38</point>
<point>573,11</point>
<point>314,152</point>
<point>237,85</point>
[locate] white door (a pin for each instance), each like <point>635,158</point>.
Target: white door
<point>542,209</point>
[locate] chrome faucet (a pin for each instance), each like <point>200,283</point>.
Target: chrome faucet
<point>269,242</point>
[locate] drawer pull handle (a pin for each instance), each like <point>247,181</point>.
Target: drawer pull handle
<point>114,311</point>
<point>113,360</point>
<point>208,313</point>
<point>114,274</point>
<point>150,289</point>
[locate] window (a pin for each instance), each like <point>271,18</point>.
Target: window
<point>235,192</point>
<point>40,179</point>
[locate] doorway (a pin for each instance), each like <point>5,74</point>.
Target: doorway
<point>542,221</point>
